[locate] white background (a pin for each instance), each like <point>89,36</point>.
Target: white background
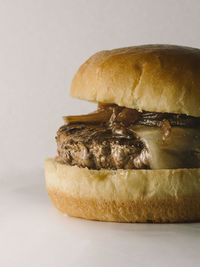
<point>42,43</point>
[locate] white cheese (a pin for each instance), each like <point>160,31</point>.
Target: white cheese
<point>180,150</point>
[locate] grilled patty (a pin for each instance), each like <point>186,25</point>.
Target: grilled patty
<point>95,147</point>
<point>106,139</point>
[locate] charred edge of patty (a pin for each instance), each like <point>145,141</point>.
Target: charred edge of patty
<point>96,147</point>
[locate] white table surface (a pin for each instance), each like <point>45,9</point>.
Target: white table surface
<point>42,45</point>
<point>34,233</point>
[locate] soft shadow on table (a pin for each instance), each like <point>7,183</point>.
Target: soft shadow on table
<point>148,228</point>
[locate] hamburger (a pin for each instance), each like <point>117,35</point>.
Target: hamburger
<point>137,157</point>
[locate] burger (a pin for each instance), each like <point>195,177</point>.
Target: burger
<point>137,157</point>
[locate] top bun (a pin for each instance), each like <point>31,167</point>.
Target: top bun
<point>157,78</point>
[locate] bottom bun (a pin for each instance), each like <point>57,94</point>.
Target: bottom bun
<point>171,195</point>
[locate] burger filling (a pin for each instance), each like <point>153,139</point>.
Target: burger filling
<point>115,137</point>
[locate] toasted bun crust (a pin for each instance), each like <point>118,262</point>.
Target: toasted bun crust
<point>158,78</point>
<point>124,195</point>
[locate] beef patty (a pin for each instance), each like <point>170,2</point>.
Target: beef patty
<point>106,139</point>
<point>96,147</point>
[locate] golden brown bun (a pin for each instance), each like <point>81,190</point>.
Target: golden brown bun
<point>159,78</point>
<point>124,195</point>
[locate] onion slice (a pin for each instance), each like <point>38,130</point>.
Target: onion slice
<point>99,116</point>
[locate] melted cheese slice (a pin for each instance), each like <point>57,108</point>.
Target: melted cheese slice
<point>180,150</point>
